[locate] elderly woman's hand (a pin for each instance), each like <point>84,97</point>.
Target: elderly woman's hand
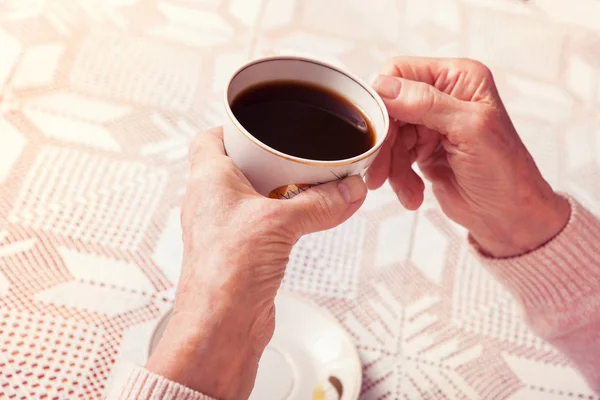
<point>236,247</point>
<point>448,117</point>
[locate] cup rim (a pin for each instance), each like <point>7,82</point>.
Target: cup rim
<point>333,163</point>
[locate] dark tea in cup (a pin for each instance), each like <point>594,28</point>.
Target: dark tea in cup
<point>304,120</point>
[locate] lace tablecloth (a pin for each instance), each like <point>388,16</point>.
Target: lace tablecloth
<point>98,99</point>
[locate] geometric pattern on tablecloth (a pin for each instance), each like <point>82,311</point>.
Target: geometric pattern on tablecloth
<point>98,101</point>
<point>480,305</point>
<point>89,198</point>
<point>167,79</point>
<point>328,263</point>
<point>45,355</point>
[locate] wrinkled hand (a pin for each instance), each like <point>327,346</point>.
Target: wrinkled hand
<point>236,247</point>
<point>447,117</point>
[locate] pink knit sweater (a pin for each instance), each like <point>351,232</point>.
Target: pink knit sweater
<point>558,286</point>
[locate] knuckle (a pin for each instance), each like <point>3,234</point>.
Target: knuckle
<point>475,66</point>
<point>200,172</point>
<point>205,144</point>
<point>216,131</point>
<point>421,100</point>
<point>210,166</point>
<point>205,176</point>
<point>428,97</point>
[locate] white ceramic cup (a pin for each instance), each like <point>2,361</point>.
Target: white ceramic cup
<point>279,175</point>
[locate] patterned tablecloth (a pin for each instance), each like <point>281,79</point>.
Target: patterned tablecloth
<point>98,100</point>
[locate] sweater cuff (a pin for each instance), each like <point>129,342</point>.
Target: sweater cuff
<point>559,273</point>
<point>144,385</point>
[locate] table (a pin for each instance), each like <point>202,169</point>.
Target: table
<point>98,100</point>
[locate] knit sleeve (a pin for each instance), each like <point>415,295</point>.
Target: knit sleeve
<point>558,287</point>
<point>142,384</point>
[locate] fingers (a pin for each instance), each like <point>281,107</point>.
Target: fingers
<point>406,144</point>
<point>427,142</point>
<point>206,144</point>
<point>208,159</point>
<point>407,185</point>
<point>421,103</point>
<point>409,137</point>
<point>421,69</point>
<point>326,206</point>
<point>380,169</point>
<point>436,167</point>
<point>429,70</point>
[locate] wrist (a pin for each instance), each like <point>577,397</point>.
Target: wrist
<point>218,358</point>
<point>529,226</point>
<point>221,323</point>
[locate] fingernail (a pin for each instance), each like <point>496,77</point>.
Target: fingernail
<point>352,189</point>
<point>387,86</point>
<point>405,196</point>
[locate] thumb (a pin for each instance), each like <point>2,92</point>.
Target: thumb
<point>420,103</point>
<point>326,206</point>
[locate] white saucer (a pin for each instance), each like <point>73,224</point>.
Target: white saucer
<point>311,357</point>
